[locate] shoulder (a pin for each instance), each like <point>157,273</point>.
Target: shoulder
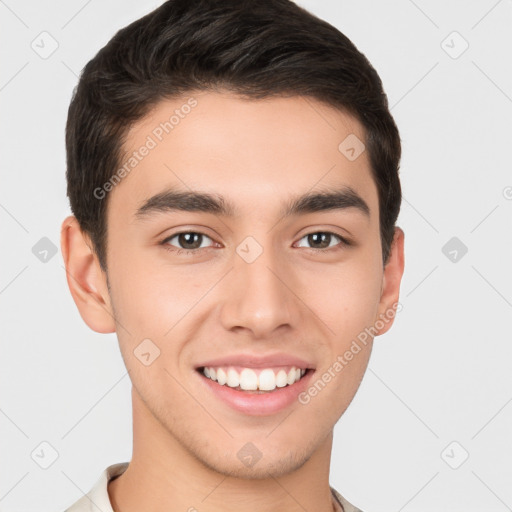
<point>347,506</point>
<point>97,497</point>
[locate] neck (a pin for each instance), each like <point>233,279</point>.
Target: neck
<point>164,475</point>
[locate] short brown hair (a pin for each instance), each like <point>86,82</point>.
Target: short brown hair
<point>253,48</point>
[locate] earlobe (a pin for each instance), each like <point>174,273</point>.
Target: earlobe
<point>390,294</point>
<point>86,280</point>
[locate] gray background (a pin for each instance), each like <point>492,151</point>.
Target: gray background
<point>439,385</point>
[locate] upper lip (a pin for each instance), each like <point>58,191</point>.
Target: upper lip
<point>257,361</point>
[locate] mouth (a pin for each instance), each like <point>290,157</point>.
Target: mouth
<point>255,384</point>
<point>254,380</point>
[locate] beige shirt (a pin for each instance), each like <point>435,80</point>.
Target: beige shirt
<point>97,500</point>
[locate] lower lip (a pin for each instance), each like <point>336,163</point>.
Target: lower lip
<point>258,404</point>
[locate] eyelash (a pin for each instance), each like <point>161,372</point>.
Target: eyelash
<point>190,252</point>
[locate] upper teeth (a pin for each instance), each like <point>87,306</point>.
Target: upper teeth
<point>248,379</point>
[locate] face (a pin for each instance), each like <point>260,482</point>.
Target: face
<point>252,283</point>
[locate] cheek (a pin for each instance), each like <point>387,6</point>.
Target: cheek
<point>345,298</point>
<point>151,296</point>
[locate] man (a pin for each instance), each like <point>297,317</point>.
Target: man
<point>232,169</point>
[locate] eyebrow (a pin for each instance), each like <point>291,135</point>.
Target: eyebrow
<point>193,201</point>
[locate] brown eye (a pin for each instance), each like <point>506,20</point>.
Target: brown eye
<point>187,240</point>
<point>323,240</point>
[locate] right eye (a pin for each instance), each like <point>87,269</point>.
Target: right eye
<point>190,241</point>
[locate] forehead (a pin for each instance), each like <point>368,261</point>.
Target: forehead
<point>254,152</point>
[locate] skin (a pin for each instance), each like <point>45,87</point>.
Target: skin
<point>258,154</point>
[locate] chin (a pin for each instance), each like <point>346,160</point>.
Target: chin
<point>273,466</point>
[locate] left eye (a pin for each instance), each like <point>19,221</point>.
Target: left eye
<point>323,239</point>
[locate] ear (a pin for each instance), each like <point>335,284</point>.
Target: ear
<point>86,280</point>
<point>390,290</point>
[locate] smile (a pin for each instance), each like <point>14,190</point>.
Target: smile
<point>252,379</point>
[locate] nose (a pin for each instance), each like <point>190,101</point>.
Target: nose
<point>259,294</point>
